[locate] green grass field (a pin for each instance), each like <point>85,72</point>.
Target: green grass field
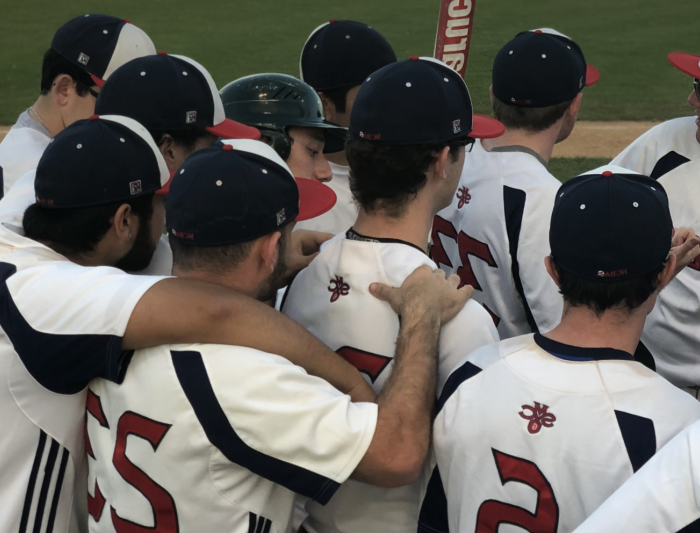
<point>628,41</point>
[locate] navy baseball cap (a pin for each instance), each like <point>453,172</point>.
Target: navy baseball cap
<point>98,161</point>
<point>610,225</point>
<point>687,63</point>
<point>238,191</point>
<point>169,92</point>
<point>540,68</point>
<point>416,101</point>
<point>342,53</point>
<point>100,44</point>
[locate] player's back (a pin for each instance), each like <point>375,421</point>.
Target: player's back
<point>495,235</point>
<point>331,298</point>
<point>21,149</point>
<point>663,148</point>
<point>216,438</point>
<point>564,427</point>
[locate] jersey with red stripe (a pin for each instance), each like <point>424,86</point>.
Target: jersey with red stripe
<point>662,149</point>
<point>331,298</point>
<point>495,236</point>
<point>217,438</point>
<point>564,427</point>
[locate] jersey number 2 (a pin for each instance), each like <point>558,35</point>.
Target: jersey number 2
<point>492,513</point>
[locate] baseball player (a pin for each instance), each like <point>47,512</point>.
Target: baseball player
<point>70,316</point>
<point>232,433</point>
<point>494,233</point>
<point>405,161</point>
<point>335,60</point>
<point>572,414</point>
<point>83,54</point>
<point>289,114</point>
<point>674,142</point>
<point>662,496</point>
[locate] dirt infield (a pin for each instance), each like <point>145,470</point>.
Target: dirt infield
<point>589,139</point>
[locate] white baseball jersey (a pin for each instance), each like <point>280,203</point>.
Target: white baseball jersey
<point>495,236</point>
<point>537,434</point>
<point>331,298</point>
<point>221,439</point>
<point>343,214</point>
<point>21,149</point>
<point>662,148</point>
<point>61,325</point>
<point>672,330</point>
<point>663,497</point>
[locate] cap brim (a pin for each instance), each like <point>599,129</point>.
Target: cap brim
<point>592,75</point>
<point>230,129</point>
<point>315,198</point>
<point>686,63</point>
<point>97,81</point>
<point>484,127</point>
<point>165,189</point>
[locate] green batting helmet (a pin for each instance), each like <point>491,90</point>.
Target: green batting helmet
<point>273,103</point>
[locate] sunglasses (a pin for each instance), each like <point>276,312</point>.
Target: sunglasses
<point>467,142</point>
<point>90,90</point>
<point>696,84</point>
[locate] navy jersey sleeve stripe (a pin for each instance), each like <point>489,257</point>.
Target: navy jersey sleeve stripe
<point>691,528</point>
<point>433,511</point>
<point>514,208</point>
<point>194,381</point>
<point>57,491</point>
<point>63,364</point>
<point>639,436</point>
<point>32,483</point>
<point>43,494</point>
<point>667,163</point>
<point>459,376</point>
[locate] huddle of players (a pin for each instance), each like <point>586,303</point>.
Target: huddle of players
<point>224,434</point>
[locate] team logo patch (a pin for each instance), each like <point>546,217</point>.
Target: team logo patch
<point>83,59</point>
<point>538,417</point>
<point>456,126</point>
<point>338,288</point>
<point>371,136</point>
<point>463,196</point>
<point>135,187</point>
<point>612,273</point>
<point>281,217</point>
<point>191,117</point>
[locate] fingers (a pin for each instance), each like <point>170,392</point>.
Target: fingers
<point>381,291</point>
<point>454,281</point>
<point>309,242</point>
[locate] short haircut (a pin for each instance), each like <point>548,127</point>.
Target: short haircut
<point>186,137</point>
<point>385,177</point>
<point>338,97</point>
<point>78,231</point>
<point>54,65</point>
<point>532,119</point>
<point>600,296</point>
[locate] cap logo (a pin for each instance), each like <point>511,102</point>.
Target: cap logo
<point>371,136</point>
<point>135,187</point>
<point>281,217</point>
<point>191,117</point>
<point>456,126</point>
<point>183,234</point>
<point>612,273</point>
<point>83,59</point>
<point>580,82</point>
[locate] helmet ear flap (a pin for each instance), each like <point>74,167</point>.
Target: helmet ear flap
<point>279,141</point>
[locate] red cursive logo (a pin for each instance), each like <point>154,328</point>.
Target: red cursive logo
<point>463,196</point>
<point>338,288</point>
<point>538,417</point>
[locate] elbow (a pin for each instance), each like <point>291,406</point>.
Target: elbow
<point>402,468</point>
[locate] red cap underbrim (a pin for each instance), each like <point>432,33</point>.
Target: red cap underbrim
<point>230,129</point>
<point>165,189</point>
<point>592,75</point>
<point>97,81</point>
<point>484,127</point>
<point>686,63</point>
<point>315,198</point>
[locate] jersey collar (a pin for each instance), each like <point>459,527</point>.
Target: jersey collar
<point>522,149</point>
<point>576,353</point>
<point>352,235</point>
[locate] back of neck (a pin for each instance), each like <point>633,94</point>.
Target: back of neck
<point>542,143</point>
<point>44,112</point>
<point>412,227</point>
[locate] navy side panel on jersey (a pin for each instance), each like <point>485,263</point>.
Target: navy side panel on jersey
<point>433,511</point>
<point>667,163</point>
<point>258,524</point>
<point>514,207</point>
<point>194,381</point>
<point>459,376</point>
<point>64,364</point>
<point>639,437</point>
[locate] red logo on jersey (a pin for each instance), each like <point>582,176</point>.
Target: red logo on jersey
<point>463,196</point>
<point>339,288</point>
<point>538,417</point>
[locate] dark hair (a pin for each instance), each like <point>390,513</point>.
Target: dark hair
<point>79,230</point>
<point>387,177</point>
<point>601,296</point>
<point>186,137</point>
<point>533,119</point>
<point>338,97</point>
<point>54,65</point>
<point>216,259</point>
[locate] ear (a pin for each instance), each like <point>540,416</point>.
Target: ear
<point>552,270</point>
<point>168,151</point>
<point>328,108</point>
<point>125,224</point>
<point>441,163</point>
<point>573,108</point>
<point>269,251</point>
<point>667,273</point>
<point>62,88</point>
